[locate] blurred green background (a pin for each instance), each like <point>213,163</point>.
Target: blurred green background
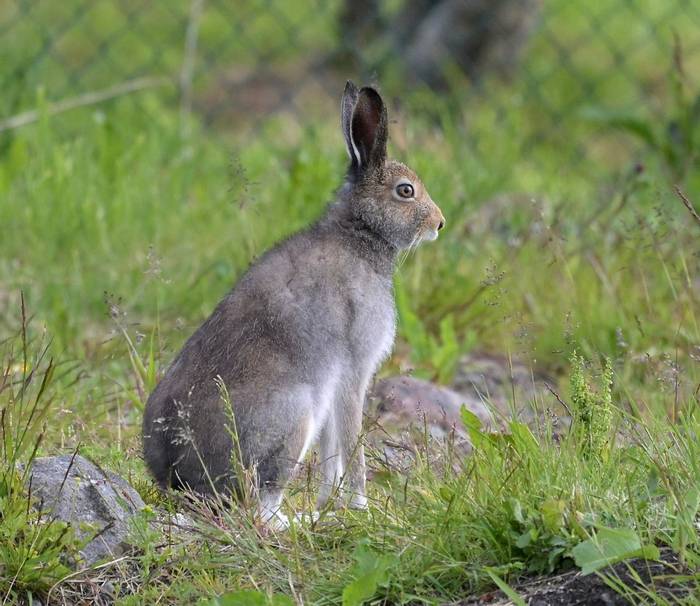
<point>549,131</point>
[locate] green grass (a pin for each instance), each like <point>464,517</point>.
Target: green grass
<point>606,264</point>
<point>122,234</point>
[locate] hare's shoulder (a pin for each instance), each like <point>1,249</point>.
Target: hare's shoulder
<point>338,289</point>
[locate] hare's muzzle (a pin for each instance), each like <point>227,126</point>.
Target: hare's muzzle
<point>438,221</point>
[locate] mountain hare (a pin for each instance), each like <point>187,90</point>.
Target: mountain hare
<point>297,341</point>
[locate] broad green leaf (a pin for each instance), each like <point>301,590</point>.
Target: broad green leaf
<point>472,423</point>
<point>523,440</point>
<point>692,501</point>
<point>446,493</point>
<point>516,510</point>
<point>446,353</point>
<point>524,539</point>
<point>552,511</point>
<point>410,325</point>
<point>609,546</point>
<point>370,571</point>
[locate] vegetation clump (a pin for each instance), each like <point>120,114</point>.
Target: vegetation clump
<point>592,410</point>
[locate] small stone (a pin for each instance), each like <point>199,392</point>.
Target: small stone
<point>107,590</point>
<point>95,503</point>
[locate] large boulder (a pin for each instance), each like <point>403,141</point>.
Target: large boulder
<point>97,504</point>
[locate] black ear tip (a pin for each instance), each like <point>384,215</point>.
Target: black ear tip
<point>369,89</point>
<point>372,94</point>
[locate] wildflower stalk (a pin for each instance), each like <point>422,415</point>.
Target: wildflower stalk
<point>593,410</point>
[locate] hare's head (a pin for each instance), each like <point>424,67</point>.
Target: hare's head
<point>388,196</point>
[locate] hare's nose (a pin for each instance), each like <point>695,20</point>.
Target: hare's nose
<point>441,225</point>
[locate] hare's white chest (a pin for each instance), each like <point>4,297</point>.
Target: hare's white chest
<point>385,335</point>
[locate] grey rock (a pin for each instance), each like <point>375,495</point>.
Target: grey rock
<point>108,591</point>
<point>179,524</point>
<point>403,410</point>
<point>94,502</point>
<point>407,399</point>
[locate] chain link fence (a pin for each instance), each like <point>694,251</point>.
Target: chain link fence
<point>239,64</point>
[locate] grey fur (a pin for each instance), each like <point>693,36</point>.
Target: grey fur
<point>298,339</point>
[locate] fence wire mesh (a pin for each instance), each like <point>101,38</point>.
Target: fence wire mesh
<point>240,64</point>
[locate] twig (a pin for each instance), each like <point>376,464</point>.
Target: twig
<point>556,395</point>
<point>188,60</point>
<point>91,98</point>
<point>82,571</point>
<point>687,203</point>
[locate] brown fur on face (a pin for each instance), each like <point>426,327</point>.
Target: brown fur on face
<point>404,223</point>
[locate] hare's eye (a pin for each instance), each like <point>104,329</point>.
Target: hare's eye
<point>405,190</point>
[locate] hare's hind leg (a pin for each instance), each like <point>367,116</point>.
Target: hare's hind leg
<point>281,460</point>
<point>331,462</point>
<point>352,448</point>
<point>342,452</point>
<point>274,474</point>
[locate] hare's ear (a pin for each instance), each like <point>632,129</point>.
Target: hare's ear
<point>368,131</point>
<point>347,105</point>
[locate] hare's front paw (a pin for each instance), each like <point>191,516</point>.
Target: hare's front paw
<point>270,513</point>
<point>274,520</point>
<point>307,517</point>
<point>358,501</point>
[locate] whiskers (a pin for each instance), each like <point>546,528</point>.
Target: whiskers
<point>409,249</point>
